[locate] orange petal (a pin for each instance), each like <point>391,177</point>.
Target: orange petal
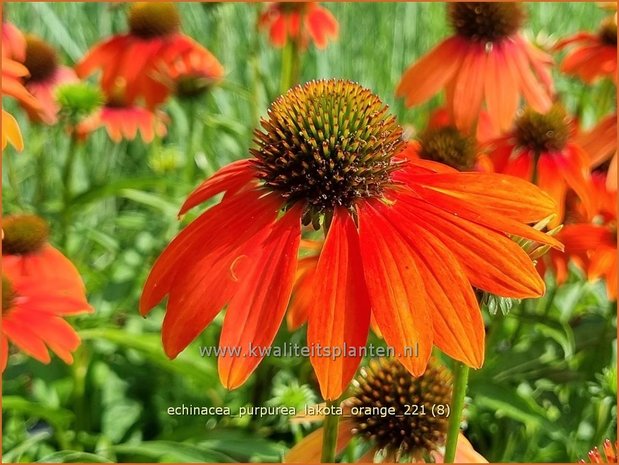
<point>230,177</point>
<point>426,77</point>
<point>458,326</point>
<point>309,449</point>
<point>537,97</point>
<point>223,226</point>
<point>397,293</point>
<point>256,311</point>
<point>339,318</point>
<point>302,293</point>
<point>550,180</point>
<point>492,261</point>
<point>493,193</point>
<point>469,88</point>
<point>501,89</point>
<point>11,132</point>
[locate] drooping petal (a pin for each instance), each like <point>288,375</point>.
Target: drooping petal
<point>501,89</point>
<point>396,289</point>
<point>11,132</point>
<point>220,227</point>
<point>339,318</point>
<point>231,177</point>
<point>427,76</point>
<point>491,192</point>
<point>302,293</point>
<point>456,317</point>
<point>469,89</point>
<point>259,303</point>
<point>491,261</point>
<point>550,180</point>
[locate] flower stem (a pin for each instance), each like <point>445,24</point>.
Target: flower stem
<point>461,377</point>
<point>291,64</point>
<point>67,184</point>
<point>329,438</point>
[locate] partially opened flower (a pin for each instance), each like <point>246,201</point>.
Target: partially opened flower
<point>300,22</point>
<point>592,56</point>
<point>131,60</point>
<point>600,143</point>
<point>488,61</point>
<point>123,120</point>
<point>542,148</point>
<point>405,242</point>
<point>40,286</point>
<point>192,77</point>
<point>400,435</point>
<point>46,74</point>
<point>13,42</point>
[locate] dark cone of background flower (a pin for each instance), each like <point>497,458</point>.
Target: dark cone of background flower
<point>23,234</point>
<point>152,19</point>
<point>485,21</point>
<point>447,145</point>
<point>386,383</point>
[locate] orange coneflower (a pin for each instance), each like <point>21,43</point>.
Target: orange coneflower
<point>592,56</point>
<point>13,42</point>
<point>132,60</point>
<point>12,75</point>
<point>600,143</point>
<point>593,245</point>
<point>396,437</point>
<point>39,287</point>
<point>46,74</point>
<point>487,60</point>
<point>405,241</point>
<point>299,21</point>
<point>542,148</point>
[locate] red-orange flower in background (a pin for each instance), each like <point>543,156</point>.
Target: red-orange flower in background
<point>12,86</point>
<point>124,122</point>
<point>40,286</point>
<point>132,60</point>
<point>13,42</point>
<point>405,242</point>
<point>592,56</point>
<point>542,148</point>
<point>46,74</point>
<point>593,245</point>
<point>300,22</point>
<point>487,60</point>
<point>600,143</point>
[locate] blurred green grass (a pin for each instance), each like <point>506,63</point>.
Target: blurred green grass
<point>547,374</point>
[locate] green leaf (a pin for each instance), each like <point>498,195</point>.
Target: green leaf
<point>59,418</point>
<point>73,456</point>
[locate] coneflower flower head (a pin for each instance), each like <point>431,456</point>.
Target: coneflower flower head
<point>543,132</point>
<point>327,143</point>
<point>449,146</point>
<point>386,383</point>
<point>485,22</point>
<point>23,234</point>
